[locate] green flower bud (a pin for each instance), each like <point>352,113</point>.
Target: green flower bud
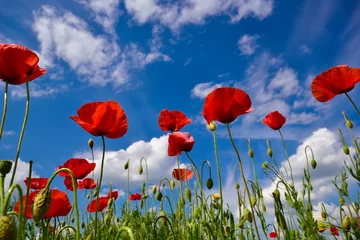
<point>346,150</point>
<point>276,194</point>
<point>354,224</point>
<point>209,183</point>
<point>172,184</point>
<point>252,201</point>
<point>237,185</point>
<point>263,208</point>
<point>264,165</point>
<point>140,171</point>
<point>141,203</point>
<point>349,124</point>
<point>91,143</point>
<point>7,228</point>
<point>270,152</point>
<point>41,204</point>
<point>5,167</point>
<point>342,201</point>
<point>154,189</point>
<point>248,215</point>
<point>188,194</point>
<point>346,224</point>
<point>126,166</point>
<point>323,215</point>
<point>251,153</point>
<point>211,126</point>
<point>197,213</point>
<point>82,225</point>
<point>159,196</point>
<point>96,192</point>
<point>313,163</point>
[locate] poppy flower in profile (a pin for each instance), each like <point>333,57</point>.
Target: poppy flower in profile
<point>182,174</point>
<point>179,142</point>
<point>103,201</point>
<point>334,81</point>
<point>135,197</point>
<point>273,235</point>
<point>17,61</point>
<point>172,120</point>
<point>68,184</point>
<point>59,204</point>
<point>36,183</point>
<point>102,119</point>
<point>79,166</point>
<point>334,231</point>
<point>114,194</point>
<point>226,104</point>
<point>274,120</point>
<point>87,183</point>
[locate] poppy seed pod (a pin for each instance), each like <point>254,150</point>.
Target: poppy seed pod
<point>313,164</point>
<point>211,126</point>
<point>91,143</point>
<point>209,183</point>
<point>188,194</point>
<point>41,204</point>
<point>7,228</point>
<point>5,167</point>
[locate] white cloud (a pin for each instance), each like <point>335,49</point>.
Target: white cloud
<point>285,82</point>
<point>37,90</point>
<point>305,49</point>
<point>201,90</point>
<point>187,62</point>
<point>247,44</point>
<point>8,133</point>
<point>155,151</point>
<point>174,14</point>
<point>223,75</point>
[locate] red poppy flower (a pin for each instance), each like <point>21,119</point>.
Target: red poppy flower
<point>114,195</point>
<point>334,81</point>
<point>103,201</point>
<point>179,142</point>
<point>36,183</point>
<point>273,235</point>
<point>172,120</point>
<point>59,205</point>
<point>181,174</point>
<point>226,104</point>
<point>68,183</point>
<point>79,166</point>
<point>334,231</point>
<point>102,119</point>
<point>274,120</point>
<point>135,196</point>
<point>87,183</point>
<point>16,62</point>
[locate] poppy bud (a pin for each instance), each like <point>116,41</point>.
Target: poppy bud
<point>310,187</point>
<point>237,185</point>
<point>172,184</point>
<point>211,126</point>
<point>252,201</point>
<point>346,150</point>
<point>140,171</point>
<point>126,166</point>
<point>323,215</point>
<point>5,167</point>
<point>349,124</point>
<point>162,214</point>
<point>181,201</point>
<point>197,213</point>
<point>154,189</point>
<point>248,215</point>
<point>118,219</point>
<point>41,204</point>
<point>7,228</point>
<point>188,194</point>
<point>276,194</point>
<point>88,196</point>
<point>91,143</point>
<point>159,196</point>
<point>72,220</point>
<point>264,165</point>
<point>263,208</point>
<point>209,183</point>
<point>346,224</point>
<point>354,224</point>
<point>342,201</point>
<point>269,152</point>
<point>313,163</point>
<point>82,225</point>
<point>141,203</point>
<point>251,153</point>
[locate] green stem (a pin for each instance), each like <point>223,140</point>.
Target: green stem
<point>244,179</point>
<point>100,181</point>
<point>4,110</point>
<point>182,201</point>
<point>287,157</point>
<point>62,229</point>
<point>28,188</point>
<point>22,130</point>
<point>128,230</point>
<point>147,180</point>
<point>352,102</point>
<point>5,205</point>
<point>75,205</point>
<point>219,176</point>
<point>2,190</point>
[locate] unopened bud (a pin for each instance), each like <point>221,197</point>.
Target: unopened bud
<point>211,126</point>
<point>172,184</point>
<point>342,201</point>
<point>323,215</point>
<point>159,196</point>
<point>141,203</point>
<point>237,185</point>
<point>313,163</point>
<point>251,153</point>
<point>41,204</point>
<point>82,225</point>
<point>209,183</point>
<point>91,143</point>
<point>276,194</point>
<point>7,228</point>
<point>154,189</point>
<point>263,208</point>
<point>349,124</point>
<point>354,224</point>
<point>188,194</point>
<point>346,150</point>
<point>252,201</point>
<point>269,152</point>
<point>126,166</point>
<point>264,165</point>
<point>140,171</point>
<point>346,224</point>
<point>5,167</point>
<point>248,215</point>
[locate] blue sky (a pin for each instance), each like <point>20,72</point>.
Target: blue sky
<point>149,55</point>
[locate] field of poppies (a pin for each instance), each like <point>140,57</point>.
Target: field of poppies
<point>174,209</point>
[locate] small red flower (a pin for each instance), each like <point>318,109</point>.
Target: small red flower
<point>179,142</point>
<point>59,205</point>
<point>334,81</point>
<point>273,235</point>
<point>79,166</point>
<point>274,120</point>
<point>103,201</point>
<point>181,174</point>
<point>16,62</point>
<point>36,183</point>
<point>172,120</point>
<point>87,183</point>
<point>135,196</point>
<point>102,119</point>
<point>68,183</point>
<point>226,104</point>
<point>114,194</point>
<point>334,231</point>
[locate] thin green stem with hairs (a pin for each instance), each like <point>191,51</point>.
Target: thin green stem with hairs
<point>22,130</point>
<point>4,110</point>
<point>287,157</point>
<point>147,180</point>
<point>353,103</point>
<point>28,188</point>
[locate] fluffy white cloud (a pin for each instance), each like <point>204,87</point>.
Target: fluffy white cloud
<point>155,151</point>
<point>247,44</point>
<point>305,49</point>
<point>176,14</point>
<point>37,90</point>
<point>201,90</point>
<point>285,82</point>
